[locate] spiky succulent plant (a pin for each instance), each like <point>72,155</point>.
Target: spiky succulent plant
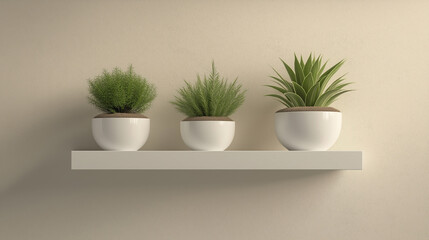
<point>309,84</point>
<point>210,96</point>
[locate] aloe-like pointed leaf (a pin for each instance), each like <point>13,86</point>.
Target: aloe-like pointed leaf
<point>282,90</point>
<point>312,95</point>
<point>334,98</point>
<point>323,97</point>
<point>301,63</point>
<point>322,69</point>
<point>299,73</point>
<point>334,68</point>
<point>315,68</point>
<point>338,86</point>
<point>281,80</point>
<point>283,83</point>
<point>335,83</point>
<point>308,65</point>
<point>299,90</point>
<point>325,77</point>
<point>289,71</point>
<point>308,82</point>
<point>295,98</point>
<point>281,99</point>
<point>321,101</point>
<point>287,104</point>
<point>278,74</point>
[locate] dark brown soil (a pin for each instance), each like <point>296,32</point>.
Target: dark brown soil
<point>120,115</point>
<point>208,118</point>
<point>309,109</point>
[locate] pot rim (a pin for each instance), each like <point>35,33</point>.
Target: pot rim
<point>121,115</point>
<point>208,118</point>
<point>309,109</point>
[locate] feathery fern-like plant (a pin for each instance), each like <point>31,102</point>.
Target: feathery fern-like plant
<point>121,92</point>
<point>211,96</point>
<point>308,84</point>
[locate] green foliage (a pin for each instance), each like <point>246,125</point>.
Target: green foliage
<point>308,85</point>
<point>212,96</point>
<point>121,92</point>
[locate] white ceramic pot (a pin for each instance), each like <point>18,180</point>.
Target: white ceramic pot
<point>308,128</point>
<point>120,133</point>
<point>207,133</point>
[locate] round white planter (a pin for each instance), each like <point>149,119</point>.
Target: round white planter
<point>308,128</point>
<point>120,132</point>
<point>207,133</point>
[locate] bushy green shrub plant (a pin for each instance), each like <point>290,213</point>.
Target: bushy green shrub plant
<point>121,92</point>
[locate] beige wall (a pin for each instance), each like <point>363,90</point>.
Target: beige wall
<point>49,48</point>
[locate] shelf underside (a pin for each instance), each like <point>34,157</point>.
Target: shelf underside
<point>227,160</point>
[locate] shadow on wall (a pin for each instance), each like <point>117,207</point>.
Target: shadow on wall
<point>69,128</point>
<point>164,127</point>
<point>87,200</point>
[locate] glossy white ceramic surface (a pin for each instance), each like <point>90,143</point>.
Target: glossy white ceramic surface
<point>121,134</point>
<point>308,130</point>
<point>207,135</point>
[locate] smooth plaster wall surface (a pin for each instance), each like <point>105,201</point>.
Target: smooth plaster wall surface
<point>48,50</point>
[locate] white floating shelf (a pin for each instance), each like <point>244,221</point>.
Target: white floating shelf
<point>227,160</point>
